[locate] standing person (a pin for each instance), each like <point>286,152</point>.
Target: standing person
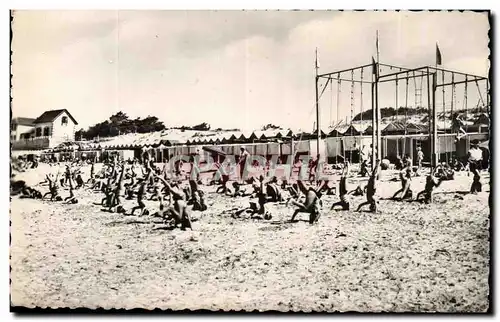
<point>67,175</point>
<point>243,161</point>
<point>420,159</point>
<point>313,167</point>
<point>475,156</point>
<point>364,168</point>
<point>145,157</point>
<point>92,174</point>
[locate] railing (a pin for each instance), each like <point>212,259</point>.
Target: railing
<point>31,144</point>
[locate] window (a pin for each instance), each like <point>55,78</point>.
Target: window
<point>38,132</point>
<point>13,127</point>
<point>13,137</point>
<point>64,120</point>
<point>46,131</point>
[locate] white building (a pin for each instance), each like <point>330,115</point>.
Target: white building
<point>21,128</point>
<point>47,131</point>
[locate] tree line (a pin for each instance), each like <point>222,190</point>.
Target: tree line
<point>120,123</point>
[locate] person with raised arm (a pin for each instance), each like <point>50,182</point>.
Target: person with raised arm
<point>371,189</point>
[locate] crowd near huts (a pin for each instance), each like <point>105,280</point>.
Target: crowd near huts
<point>342,141</point>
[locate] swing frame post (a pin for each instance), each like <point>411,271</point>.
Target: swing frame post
<point>435,138</point>
<point>397,116</point>
<point>430,117</point>
<point>374,123</point>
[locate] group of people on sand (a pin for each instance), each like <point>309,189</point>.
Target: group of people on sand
<point>177,195</point>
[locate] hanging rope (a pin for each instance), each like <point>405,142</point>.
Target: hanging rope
<point>406,113</point>
<point>480,95</point>
<point>465,103</point>
<point>453,93</point>
<point>331,103</point>
<point>339,91</point>
<point>453,101</point>
<point>339,88</point>
<point>444,120</point>
<point>361,103</point>
<point>415,83</point>
<point>418,90</point>
<point>352,112</point>
<point>397,116</point>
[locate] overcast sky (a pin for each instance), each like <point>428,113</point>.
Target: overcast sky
<point>227,68</point>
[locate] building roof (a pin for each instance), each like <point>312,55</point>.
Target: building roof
<point>26,121</point>
<point>49,116</point>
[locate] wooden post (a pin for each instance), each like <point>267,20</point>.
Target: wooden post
<point>318,126</point>
<point>430,115</point>
<point>488,106</point>
<point>292,162</point>
<point>379,120</point>
<point>435,145</point>
<point>374,123</point>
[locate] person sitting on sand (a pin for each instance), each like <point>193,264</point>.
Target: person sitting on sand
<point>53,188</point>
<point>197,197</point>
<point>359,191</point>
<point>108,196</point>
<point>371,189</point>
<point>79,181</point>
<point>476,185</point>
<point>28,192</point>
<point>99,184</point>
<point>312,204</point>
<point>431,182</point>
<point>343,194</point>
<point>273,193</point>
<point>140,196</point>
<point>179,212</point>
<point>224,178</point>
<point>293,189</point>
<point>326,189</point>
<point>236,190</point>
<point>445,172</point>
<point>405,177</point>
<point>364,168</point>
<point>71,199</point>
<point>256,210</point>
<point>457,165</point>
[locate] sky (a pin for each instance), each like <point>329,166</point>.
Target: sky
<point>231,69</point>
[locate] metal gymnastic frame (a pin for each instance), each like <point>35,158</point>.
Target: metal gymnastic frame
<point>429,72</point>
